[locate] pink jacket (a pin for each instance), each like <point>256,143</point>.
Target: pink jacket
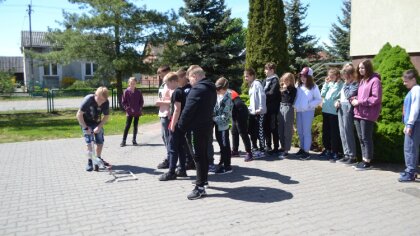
<point>369,96</point>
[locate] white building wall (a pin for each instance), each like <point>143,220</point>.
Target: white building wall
<point>375,22</point>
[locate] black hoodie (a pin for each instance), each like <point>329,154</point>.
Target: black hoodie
<point>198,111</point>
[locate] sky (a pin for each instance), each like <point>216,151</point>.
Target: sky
<point>14,18</point>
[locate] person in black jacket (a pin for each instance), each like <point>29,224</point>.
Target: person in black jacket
<point>272,93</point>
<point>240,115</point>
<point>197,116</point>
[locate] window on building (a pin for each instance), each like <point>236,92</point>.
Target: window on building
<point>50,69</point>
<point>90,69</point>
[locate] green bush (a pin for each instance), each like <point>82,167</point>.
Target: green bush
<point>79,85</point>
<point>389,138</point>
<point>6,83</point>
<point>377,60</point>
<point>67,82</point>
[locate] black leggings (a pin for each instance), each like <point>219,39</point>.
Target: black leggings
<point>127,127</point>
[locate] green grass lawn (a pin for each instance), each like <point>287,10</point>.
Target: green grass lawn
<point>18,127</point>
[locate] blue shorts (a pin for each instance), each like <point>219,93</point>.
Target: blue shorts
<point>99,137</point>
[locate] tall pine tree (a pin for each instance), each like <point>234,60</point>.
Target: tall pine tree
<point>266,36</point>
<point>301,44</point>
<point>340,34</point>
<point>204,39</point>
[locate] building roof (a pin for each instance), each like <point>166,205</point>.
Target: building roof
<point>11,64</point>
<point>38,39</point>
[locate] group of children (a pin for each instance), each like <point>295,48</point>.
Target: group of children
<point>350,99</point>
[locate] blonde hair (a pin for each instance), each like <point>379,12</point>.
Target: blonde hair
<point>196,70</point>
<point>102,91</point>
<point>287,77</point>
<point>348,69</point>
<point>132,79</point>
<point>171,76</point>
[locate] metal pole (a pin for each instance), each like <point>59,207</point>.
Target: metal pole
<point>30,47</point>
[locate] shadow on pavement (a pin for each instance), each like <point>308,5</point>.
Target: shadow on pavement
<point>150,144</point>
<point>137,169</point>
<point>253,194</point>
<point>241,173</point>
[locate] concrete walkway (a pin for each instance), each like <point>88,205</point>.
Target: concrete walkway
<point>45,191</point>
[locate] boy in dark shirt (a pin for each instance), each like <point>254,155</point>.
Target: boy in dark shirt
<point>89,117</point>
<point>177,141</point>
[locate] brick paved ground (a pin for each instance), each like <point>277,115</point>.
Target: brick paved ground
<point>44,190</point>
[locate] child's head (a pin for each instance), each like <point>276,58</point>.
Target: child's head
<point>163,70</point>
<point>287,80</point>
<point>348,72</point>
<point>101,95</point>
<point>182,77</point>
<point>132,82</point>
<point>249,75</point>
<point>364,69</point>
<point>222,84</point>
<point>306,78</point>
<point>270,69</point>
<point>333,75</point>
<point>171,80</point>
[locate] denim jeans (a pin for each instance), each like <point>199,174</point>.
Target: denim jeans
<point>411,148</point>
<point>164,121</point>
<point>304,128</point>
<point>177,144</point>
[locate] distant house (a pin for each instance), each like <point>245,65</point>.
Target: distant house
<point>376,22</point>
<point>13,65</point>
<point>50,75</point>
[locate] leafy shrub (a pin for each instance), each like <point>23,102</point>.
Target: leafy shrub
<point>67,82</point>
<point>6,83</point>
<point>79,85</point>
<point>377,60</point>
<point>389,138</point>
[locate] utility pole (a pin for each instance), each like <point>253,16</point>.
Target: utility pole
<point>32,80</point>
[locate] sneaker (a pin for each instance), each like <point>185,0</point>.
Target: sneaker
<point>343,160</point>
<point>350,162</point>
<point>134,143</point>
<point>283,155</point>
<point>235,154</point>
<point>407,177</point>
<point>164,164</point>
<point>228,169</point>
<point>181,173</point>
<point>122,144</point>
<point>300,152</point>
<point>248,157</point>
<point>212,168</point>
<point>363,166</point>
<point>195,183</point>
<point>220,170</point>
<point>106,164</point>
<point>197,193</point>
<point>325,154</point>
<point>333,157</point>
<point>273,152</point>
<point>258,155</point>
<point>167,176</point>
<point>305,156</point>
<point>89,166</point>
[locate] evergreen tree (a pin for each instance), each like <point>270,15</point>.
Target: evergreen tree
<point>389,135</point>
<point>301,44</point>
<point>340,34</point>
<point>109,35</point>
<point>207,39</point>
<point>379,58</point>
<point>266,36</point>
